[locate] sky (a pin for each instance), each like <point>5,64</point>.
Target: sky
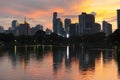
<point>41,11</point>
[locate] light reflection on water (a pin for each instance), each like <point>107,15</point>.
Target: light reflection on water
<point>58,63</point>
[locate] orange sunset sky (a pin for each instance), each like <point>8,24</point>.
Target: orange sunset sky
<point>40,11</point>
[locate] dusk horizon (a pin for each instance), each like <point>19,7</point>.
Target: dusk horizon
<point>40,12</point>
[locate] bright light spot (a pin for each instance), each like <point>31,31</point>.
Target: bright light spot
<point>15,49</point>
<point>67,52</point>
<point>67,35</point>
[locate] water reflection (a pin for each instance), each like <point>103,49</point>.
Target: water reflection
<point>60,63</point>
<point>58,53</point>
<point>67,58</point>
<point>117,57</point>
<point>107,56</point>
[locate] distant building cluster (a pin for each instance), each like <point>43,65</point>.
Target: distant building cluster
<point>85,25</point>
<point>23,29</point>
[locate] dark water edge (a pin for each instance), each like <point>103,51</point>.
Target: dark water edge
<point>60,62</point>
<point>80,45</point>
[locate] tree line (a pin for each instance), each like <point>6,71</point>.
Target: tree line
<point>41,38</point>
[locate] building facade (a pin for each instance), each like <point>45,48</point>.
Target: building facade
<point>60,29</point>
<point>86,23</point>
<point>97,28</point>
<point>23,29</point>
<point>67,23</point>
<point>1,29</point>
<point>36,28</point>
<point>55,22</point>
<point>118,19</point>
<point>107,28</point>
<point>58,25</point>
<point>73,30</point>
<point>14,24</point>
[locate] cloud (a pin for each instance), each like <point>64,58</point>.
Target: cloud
<point>30,5</point>
<point>42,10</point>
<point>36,9</point>
<point>93,13</point>
<point>69,16</point>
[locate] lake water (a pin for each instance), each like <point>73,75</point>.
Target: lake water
<point>58,63</point>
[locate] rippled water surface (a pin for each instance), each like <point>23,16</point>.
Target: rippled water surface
<point>58,63</point>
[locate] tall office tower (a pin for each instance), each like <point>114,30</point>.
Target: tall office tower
<point>97,28</point>
<point>59,27</point>
<point>77,29</point>
<point>23,29</point>
<point>118,19</point>
<point>86,23</point>
<point>73,31</point>
<point>67,23</point>
<point>13,28</point>
<point>107,28</point>
<point>1,29</point>
<point>14,24</point>
<point>55,22</point>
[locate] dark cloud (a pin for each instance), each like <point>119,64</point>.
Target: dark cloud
<point>20,8</point>
<point>29,6</point>
<point>26,5</point>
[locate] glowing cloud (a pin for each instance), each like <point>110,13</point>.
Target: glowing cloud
<point>40,11</point>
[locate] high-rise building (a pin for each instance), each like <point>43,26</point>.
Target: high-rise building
<point>118,18</point>
<point>86,23</point>
<point>73,30</point>
<point>1,29</point>
<point>55,22</point>
<point>14,24</point>
<point>59,29</point>
<point>58,25</point>
<point>13,28</point>
<point>97,28</point>
<point>67,23</point>
<point>107,28</point>
<point>23,29</point>
<point>77,29</point>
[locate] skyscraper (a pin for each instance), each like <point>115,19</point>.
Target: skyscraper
<point>97,28</point>
<point>118,18</point>
<point>23,29</point>
<point>14,24</point>
<point>55,22</point>
<point>86,23</point>
<point>73,31</point>
<point>59,27</point>
<point>1,29</point>
<point>67,23</point>
<point>107,28</point>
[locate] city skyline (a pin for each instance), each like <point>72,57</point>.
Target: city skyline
<point>40,12</point>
